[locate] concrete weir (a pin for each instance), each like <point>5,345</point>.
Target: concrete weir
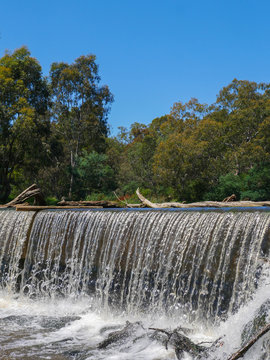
<point>207,262</point>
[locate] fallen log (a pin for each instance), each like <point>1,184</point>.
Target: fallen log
<point>145,201</point>
<point>52,207</point>
<point>90,203</point>
<point>32,191</point>
<point>240,353</point>
<point>214,204</point>
<point>135,206</point>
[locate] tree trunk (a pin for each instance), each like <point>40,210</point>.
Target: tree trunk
<point>71,176</point>
<point>4,186</point>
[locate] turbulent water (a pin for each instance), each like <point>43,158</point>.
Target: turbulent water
<point>70,278</point>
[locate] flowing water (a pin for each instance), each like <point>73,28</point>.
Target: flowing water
<point>70,278</point>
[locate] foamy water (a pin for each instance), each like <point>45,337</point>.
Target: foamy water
<point>69,329</point>
<point>66,329</point>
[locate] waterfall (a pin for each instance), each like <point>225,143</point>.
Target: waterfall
<point>14,228</point>
<point>203,263</point>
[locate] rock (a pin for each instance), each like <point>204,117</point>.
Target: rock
<point>255,325</point>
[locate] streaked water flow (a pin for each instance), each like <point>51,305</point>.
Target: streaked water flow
<point>205,262</point>
<point>14,228</point>
<point>200,266</point>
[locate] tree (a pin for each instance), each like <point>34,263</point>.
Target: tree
<point>247,106</point>
<point>201,145</point>
<point>24,100</point>
<point>95,174</point>
<point>136,163</point>
<point>80,108</point>
<point>179,156</point>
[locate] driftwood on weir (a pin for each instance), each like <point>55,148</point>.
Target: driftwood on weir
<point>24,207</point>
<point>214,204</point>
<point>32,191</point>
<point>90,203</point>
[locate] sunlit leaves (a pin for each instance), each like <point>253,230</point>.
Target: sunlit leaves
<point>24,101</point>
<point>197,145</point>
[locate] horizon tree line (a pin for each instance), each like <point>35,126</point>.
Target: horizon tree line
<point>54,131</point>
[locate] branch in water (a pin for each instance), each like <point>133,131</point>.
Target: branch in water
<point>240,353</point>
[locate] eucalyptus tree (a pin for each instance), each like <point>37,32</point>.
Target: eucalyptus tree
<point>201,145</point>
<point>80,108</point>
<point>24,99</point>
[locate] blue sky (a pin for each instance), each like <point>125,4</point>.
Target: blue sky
<point>150,53</point>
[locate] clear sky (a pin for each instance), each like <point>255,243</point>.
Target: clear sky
<point>151,53</point>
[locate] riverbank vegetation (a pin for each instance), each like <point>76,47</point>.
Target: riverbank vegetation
<point>54,131</point>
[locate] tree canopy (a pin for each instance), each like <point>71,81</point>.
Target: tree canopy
<point>55,131</point>
<point>23,121</point>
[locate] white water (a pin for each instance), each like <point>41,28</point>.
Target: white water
<point>87,273</point>
<point>61,329</point>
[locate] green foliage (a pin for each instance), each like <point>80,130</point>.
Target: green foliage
<point>227,185</point>
<point>130,188</point>
<point>51,200</point>
<point>199,151</point>
<point>80,108</point>
<point>80,104</point>
<point>94,174</point>
<point>203,145</point>
<point>24,125</point>
<point>253,185</point>
<point>55,132</point>
<point>97,196</point>
<point>257,183</point>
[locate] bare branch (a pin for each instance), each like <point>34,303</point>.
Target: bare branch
<point>240,353</point>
